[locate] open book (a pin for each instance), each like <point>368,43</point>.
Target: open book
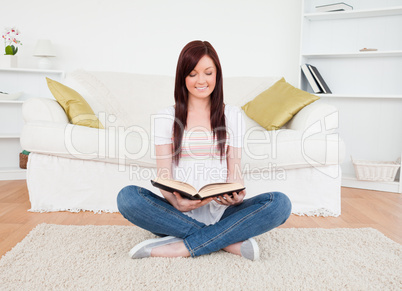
<point>188,191</point>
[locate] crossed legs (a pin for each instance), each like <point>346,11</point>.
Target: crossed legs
<point>253,217</point>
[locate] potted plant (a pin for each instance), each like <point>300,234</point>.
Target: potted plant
<point>11,42</point>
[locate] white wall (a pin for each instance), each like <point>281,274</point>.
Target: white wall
<point>252,38</point>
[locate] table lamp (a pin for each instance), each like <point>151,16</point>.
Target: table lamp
<point>44,50</point>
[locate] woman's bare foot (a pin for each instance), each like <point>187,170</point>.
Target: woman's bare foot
<point>173,250</point>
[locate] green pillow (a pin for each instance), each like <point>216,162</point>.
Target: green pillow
<point>77,109</point>
<point>277,105</point>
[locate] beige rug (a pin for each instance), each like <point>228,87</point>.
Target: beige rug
<point>95,258</point>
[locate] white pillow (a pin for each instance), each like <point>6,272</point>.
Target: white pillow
<point>131,98</point>
<point>240,90</point>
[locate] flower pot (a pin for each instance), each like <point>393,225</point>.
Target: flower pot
<point>8,61</point>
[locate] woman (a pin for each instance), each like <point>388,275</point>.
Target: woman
<point>199,141</point>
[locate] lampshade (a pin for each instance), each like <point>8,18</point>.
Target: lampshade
<point>44,48</point>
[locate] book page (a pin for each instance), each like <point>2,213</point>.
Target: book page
<point>216,188</point>
<point>185,187</point>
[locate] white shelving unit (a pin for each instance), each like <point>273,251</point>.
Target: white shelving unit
<point>358,96</point>
<point>367,54</point>
<point>32,83</point>
<point>366,85</point>
<point>361,13</point>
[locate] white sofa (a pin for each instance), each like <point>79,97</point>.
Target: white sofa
<point>78,168</point>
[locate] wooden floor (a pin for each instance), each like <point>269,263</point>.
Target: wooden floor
<point>360,208</point>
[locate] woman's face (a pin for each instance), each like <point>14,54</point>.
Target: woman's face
<point>201,81</point>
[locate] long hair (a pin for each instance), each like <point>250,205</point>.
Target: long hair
<point>188,59</point>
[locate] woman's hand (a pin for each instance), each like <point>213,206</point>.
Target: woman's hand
<point>184,204</point>
<point>236,199</point>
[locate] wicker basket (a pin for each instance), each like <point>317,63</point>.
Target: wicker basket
<point>376,171</point>
<point>23,161</point>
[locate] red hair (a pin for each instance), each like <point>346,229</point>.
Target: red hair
<point>188,59</point>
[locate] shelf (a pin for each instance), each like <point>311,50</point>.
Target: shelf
<point>26,70</point>
<point>354,14</point>
<point>10,136</point>
<point>370,54</point>
<point>359,96</point>
<point>12,101</point>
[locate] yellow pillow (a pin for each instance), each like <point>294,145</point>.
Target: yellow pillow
<point>277,105</point>
<point>77,109</point>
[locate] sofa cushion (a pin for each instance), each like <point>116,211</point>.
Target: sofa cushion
<point>77,109</point>
<point>75,81</point>
<point>263,150</point>
<point>128,99</point>
<point>240,90</point>
<point>123,94</point>
<point>288,149</point>
<point>277,105</point>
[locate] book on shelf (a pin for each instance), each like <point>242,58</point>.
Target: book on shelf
<point>310,78</point>
<point>188,191</point>
<point>341,6</point>
<point>320,81</point>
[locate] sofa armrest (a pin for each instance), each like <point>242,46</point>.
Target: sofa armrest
<point>87,143</point>
<point>57,138</point>
<point>43,109</point>
<point>315,112</point>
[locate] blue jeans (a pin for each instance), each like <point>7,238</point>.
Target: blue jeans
<point>253,217</point>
